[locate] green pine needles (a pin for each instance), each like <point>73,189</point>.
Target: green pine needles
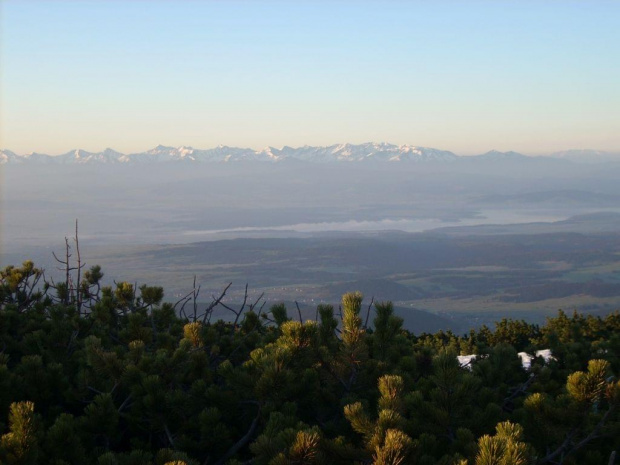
<point>116,375</point>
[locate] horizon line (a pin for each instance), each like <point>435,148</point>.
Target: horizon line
<point>163,146</point>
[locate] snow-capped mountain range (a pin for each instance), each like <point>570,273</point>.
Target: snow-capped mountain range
<point>368,152</point>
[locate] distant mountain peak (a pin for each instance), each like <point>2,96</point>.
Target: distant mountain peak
<point>587,156</point>
<point>496,154</point>
<point>376,152</point>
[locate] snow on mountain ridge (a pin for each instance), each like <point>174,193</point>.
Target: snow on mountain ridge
<point>370,151</point>
<point>379,152</point>
<point>6,156</point>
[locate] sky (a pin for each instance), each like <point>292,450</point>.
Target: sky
<point>466,76</point>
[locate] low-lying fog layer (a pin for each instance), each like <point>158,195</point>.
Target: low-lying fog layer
<point>484,217</point>
<point>169,203</point>
<point>506,239</point>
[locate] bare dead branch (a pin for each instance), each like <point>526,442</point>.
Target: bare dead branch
<point>372,301</point>
<point>565,448</point>
<point>214,303</point>
<point>124,404</point>
<point>245,300</point>
<point>520,390</point>
<point>182,311</point>
<point>79,269</point>
<point>195,294</point>
<point>253,306</point>
<point>241,442</point>
<point>169,435</point>
<point>260,310</point>
<point>185,297</point>
<point>68,271</point>
<point>298,312</point>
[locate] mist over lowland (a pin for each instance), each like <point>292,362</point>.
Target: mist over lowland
<point>468,239</point>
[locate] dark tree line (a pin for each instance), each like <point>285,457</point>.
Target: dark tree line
<point>114,376</point>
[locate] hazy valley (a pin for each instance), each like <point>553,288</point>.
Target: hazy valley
<point>469,239</point>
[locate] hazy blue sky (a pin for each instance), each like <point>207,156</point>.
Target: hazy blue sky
<point>467,76</point>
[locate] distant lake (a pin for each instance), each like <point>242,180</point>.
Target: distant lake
<point>497,216</point>
<point>47,228</point>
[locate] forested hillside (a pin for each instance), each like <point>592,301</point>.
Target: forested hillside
<point>117,376</point>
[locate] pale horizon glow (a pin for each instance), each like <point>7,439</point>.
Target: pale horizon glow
<point>529,76</point>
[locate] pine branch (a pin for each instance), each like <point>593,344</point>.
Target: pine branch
<point>567,442</point>
<point>522,389</point>
<point>241,442</point>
